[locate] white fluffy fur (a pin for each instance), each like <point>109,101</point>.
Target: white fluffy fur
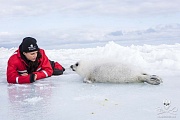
<point>111,71</point>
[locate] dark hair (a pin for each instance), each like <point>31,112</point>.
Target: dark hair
<point>32,65</point>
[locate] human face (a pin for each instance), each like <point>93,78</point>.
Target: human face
<point>31,55</point>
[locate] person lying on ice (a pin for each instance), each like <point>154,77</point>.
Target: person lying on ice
<point>30,63</point>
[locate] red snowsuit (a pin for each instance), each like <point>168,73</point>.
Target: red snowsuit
<point>17,66</point>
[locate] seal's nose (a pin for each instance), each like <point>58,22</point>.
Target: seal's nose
<point>72,68</point>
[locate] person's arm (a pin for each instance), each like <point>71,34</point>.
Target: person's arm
<point>46,69</point>
<point>14,77</point>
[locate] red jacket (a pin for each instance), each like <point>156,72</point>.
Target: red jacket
<point>17,65</point>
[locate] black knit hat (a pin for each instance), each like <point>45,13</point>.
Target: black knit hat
<point>29,44</point>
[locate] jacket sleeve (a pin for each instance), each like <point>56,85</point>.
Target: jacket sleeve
<point>14,77</point>
<point>46,69</point>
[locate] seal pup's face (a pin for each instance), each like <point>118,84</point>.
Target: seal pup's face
<point>82,68</point>
<point>74,67</point>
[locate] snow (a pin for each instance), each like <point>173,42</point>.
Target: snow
<point>66,97</point>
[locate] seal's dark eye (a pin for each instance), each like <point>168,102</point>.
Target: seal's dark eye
<point>77,64</point>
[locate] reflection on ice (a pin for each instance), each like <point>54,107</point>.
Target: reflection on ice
<point>29,99</point>
<point>20,93</point>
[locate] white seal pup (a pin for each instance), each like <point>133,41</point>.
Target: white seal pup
<point>114,72</point>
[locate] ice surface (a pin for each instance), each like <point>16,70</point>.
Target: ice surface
<point>66,97</point>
